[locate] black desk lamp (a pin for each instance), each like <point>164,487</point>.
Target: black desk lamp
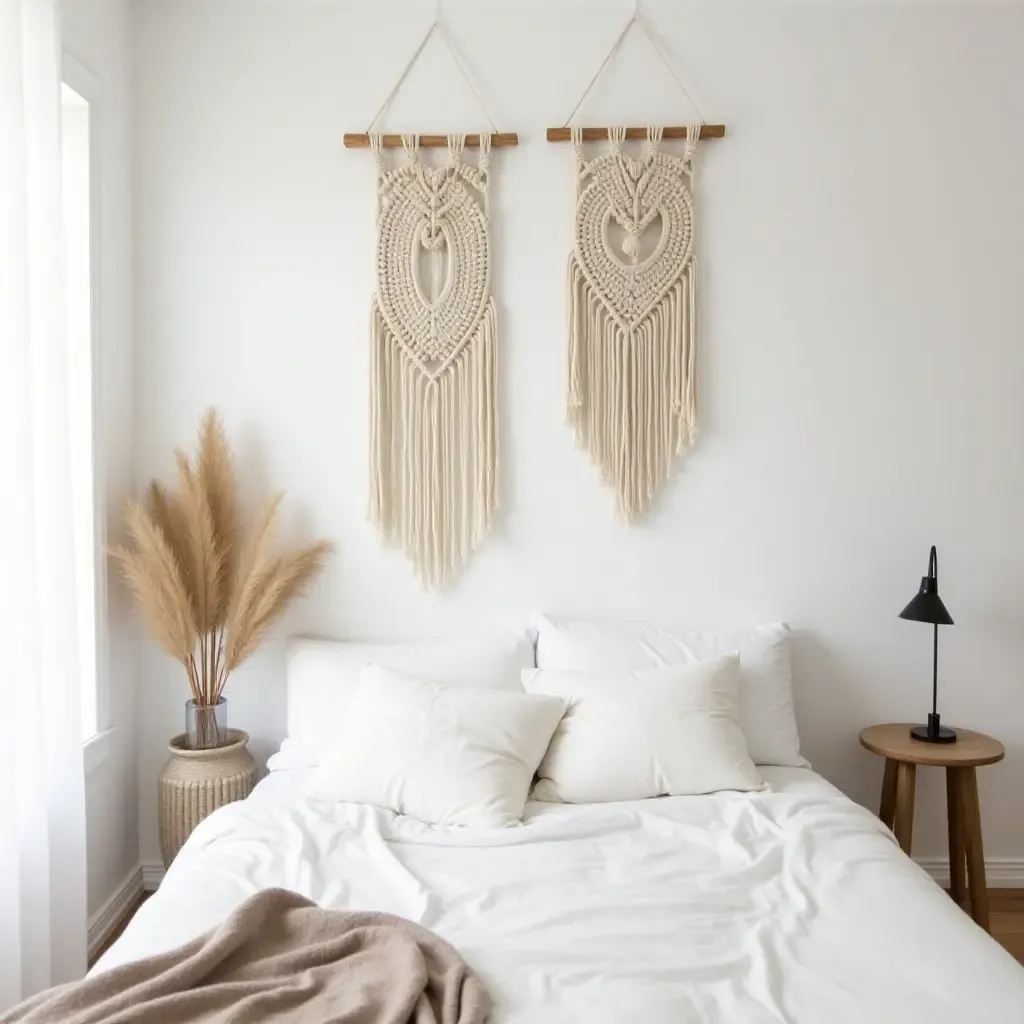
<point>927,606</point>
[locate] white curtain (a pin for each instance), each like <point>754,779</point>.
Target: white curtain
<point>42,814</point>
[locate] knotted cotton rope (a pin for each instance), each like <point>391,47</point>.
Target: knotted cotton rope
<point>433,363</point>
<point>434,429</point>
<point>632,374</point>
<point>632,380</point>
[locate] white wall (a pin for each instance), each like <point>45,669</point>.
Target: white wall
<point>96,33</point>
<point>861,335</point>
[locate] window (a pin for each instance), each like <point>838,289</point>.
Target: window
<point>78,208</point>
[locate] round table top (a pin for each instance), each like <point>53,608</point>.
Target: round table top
<point>894,740</point>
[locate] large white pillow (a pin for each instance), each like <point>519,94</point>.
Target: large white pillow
<point>323,676</point>
<point>651,732</point>
<point>766,681</point>
<point>444,754</point>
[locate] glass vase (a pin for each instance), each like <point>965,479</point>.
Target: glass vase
<point>206,726</point>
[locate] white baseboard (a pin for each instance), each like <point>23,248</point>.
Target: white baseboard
<point>113,912</point>
<point>1000,872</point>
<point>152,874</point>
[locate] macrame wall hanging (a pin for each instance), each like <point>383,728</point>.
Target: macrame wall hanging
<point>632,316</point>
<point>433,337</point>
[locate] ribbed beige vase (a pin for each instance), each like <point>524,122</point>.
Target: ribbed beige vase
<point>194,783</point>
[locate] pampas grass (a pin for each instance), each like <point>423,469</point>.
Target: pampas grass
<point>207,593</point>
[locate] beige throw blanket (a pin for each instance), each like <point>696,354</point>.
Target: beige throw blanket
<point>279,957</point>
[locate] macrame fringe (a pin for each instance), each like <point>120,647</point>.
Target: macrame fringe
<point>632,394</point>
<point>434,449</point>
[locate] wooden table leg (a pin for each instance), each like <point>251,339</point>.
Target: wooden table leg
<point>976,883</point>
<point>955,820</point>
<point>887,810</point>
<point>903,827</point>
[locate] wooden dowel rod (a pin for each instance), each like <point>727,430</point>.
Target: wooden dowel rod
<point>360,140</point>
<point>707,131</point>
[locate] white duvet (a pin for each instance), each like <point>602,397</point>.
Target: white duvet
<point>793,905</point>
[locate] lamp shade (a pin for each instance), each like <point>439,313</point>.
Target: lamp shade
<point>926,605</point>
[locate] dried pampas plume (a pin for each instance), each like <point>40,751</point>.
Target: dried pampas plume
<point>207,593</point>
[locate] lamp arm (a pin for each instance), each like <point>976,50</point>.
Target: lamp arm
<point>933,565</point>
<point>935,669</point>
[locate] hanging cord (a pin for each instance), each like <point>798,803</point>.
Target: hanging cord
<point>636,19</point>
<point>443,33</point>
<point>463,70</point>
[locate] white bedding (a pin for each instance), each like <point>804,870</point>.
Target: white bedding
<point>792,905</point>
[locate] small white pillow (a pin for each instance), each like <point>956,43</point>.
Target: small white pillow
<point>654,732</point>
<point>323,676</point>
<point>444,754</point>
<point>766,679</point>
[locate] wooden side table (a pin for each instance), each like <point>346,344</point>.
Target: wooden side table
<point>902,755</point>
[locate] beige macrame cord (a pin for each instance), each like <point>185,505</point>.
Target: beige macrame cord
<point>433,337</point>
<point>632,376</point>
<point>433,394</point>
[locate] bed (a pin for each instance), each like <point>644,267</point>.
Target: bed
<point>788,905</point>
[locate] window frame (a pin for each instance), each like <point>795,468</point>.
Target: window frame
<point>87,84</point>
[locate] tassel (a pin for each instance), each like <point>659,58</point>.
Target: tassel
<point>632,393</point>
<point>434,448</point>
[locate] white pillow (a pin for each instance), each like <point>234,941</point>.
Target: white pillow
<point>445,754</point>
<point>634,735</point>
<point>323,675</point>
<point>766,680</point>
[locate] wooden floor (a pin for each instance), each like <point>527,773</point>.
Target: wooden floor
<point>116,933</point>
<point>1007,917</point>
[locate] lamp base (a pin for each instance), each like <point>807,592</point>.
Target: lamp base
<point>933,732</point>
